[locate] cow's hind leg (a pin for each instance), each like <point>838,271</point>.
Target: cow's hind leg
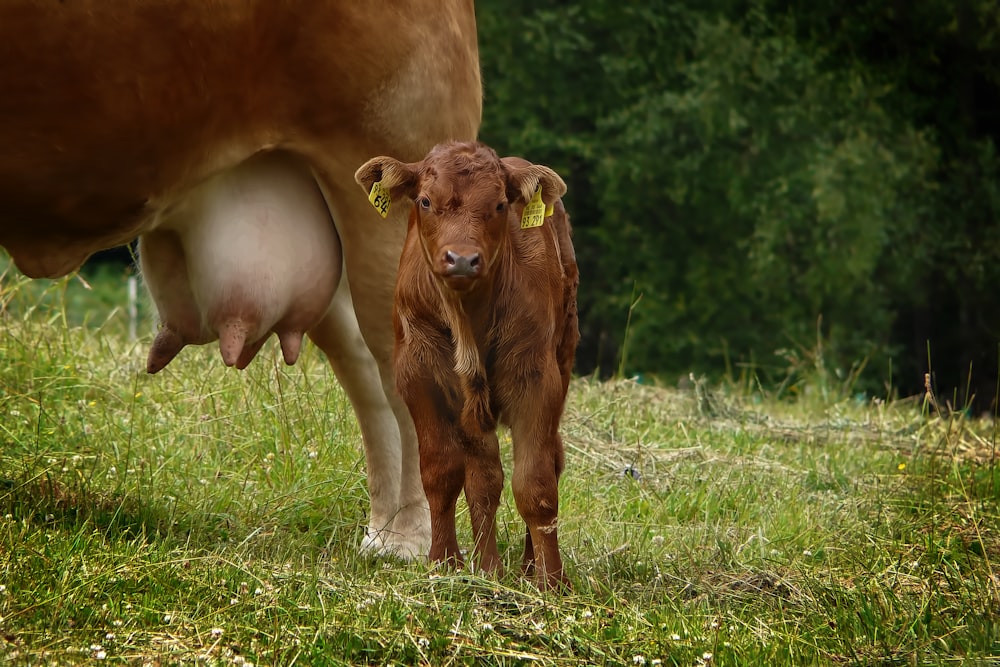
<point>339,337</point>
<point>371,249</point>
<point>483,485</point>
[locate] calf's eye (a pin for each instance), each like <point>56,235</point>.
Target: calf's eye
<point>500,207</point>
<point>425,203</point>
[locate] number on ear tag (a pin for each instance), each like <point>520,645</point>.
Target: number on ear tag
<point>534,212</point>
<point>379,197</point>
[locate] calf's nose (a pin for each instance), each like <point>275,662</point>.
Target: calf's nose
<point>467,265</point>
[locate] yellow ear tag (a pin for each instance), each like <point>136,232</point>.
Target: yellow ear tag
<point>379,197</point>
<point>534,212</point>
<point>550,209</point>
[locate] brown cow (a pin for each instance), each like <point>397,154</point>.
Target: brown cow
<point>226,133</point>
<point>486,329</point>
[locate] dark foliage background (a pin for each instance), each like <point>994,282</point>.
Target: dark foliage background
<point>768,188</point>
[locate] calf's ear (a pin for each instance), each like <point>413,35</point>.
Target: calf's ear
<point>523,178</point>
<point>399,178</point>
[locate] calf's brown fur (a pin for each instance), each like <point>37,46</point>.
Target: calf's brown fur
<point>485,324</point>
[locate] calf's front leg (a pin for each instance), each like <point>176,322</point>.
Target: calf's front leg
<point>483,485</point>
<point>442,466</point>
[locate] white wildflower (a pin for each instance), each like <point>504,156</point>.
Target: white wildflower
<point>638,660</point>
<point>216,633</point>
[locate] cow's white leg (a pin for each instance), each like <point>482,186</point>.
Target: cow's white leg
<point>405,534</point>
<point>372,246</point>
<point>412,527</point>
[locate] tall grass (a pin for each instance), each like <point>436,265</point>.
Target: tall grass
<point>208,516</point>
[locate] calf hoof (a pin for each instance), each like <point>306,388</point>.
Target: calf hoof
<point>488,567</point>
<point>556,582</point>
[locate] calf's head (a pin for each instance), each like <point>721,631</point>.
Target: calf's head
<point>462,197</point>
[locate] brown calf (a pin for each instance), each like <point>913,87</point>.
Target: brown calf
<point>486,328</point>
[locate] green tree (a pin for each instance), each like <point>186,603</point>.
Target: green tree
<point>741,171</point>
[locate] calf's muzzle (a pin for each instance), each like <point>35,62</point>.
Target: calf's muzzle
<point>462,264</point>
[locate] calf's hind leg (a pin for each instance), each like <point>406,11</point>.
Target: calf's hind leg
<point>538,463</point>
<point>528,560</point>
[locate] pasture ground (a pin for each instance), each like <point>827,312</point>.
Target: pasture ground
<point>205,516</point>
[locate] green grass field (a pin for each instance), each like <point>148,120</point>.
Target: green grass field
<point>211,517</point>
